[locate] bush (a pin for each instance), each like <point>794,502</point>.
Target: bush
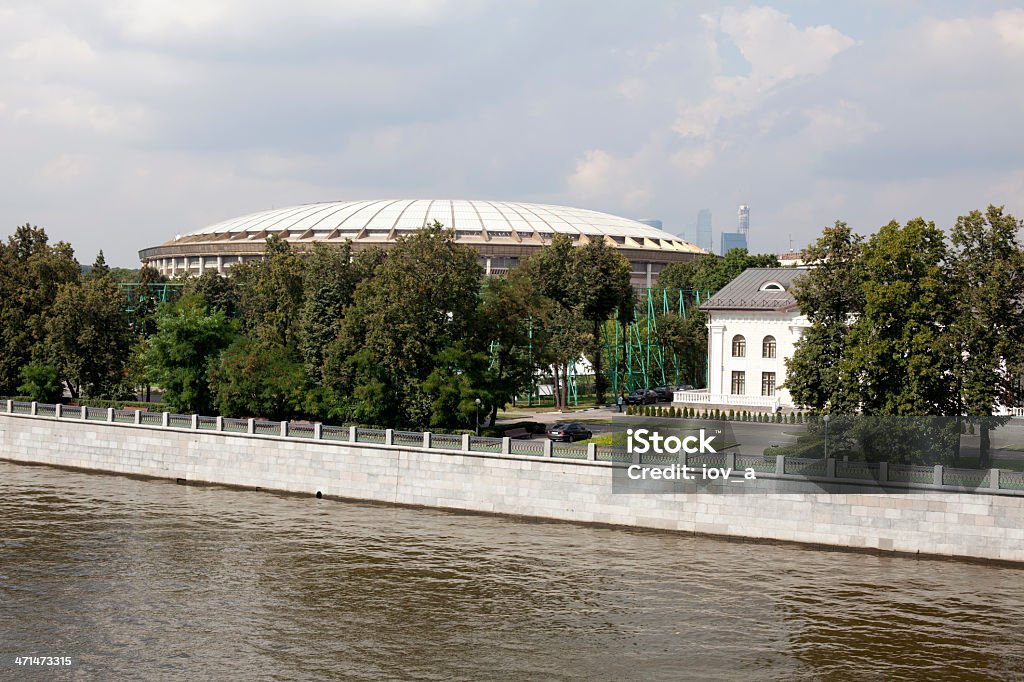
<point>42,382</point>
<point>732,414</point>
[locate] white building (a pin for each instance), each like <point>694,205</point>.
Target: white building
<point>753,324</point>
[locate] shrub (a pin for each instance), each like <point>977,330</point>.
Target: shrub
<point>41,382</point>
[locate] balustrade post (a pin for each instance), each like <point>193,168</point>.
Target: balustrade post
<point>284,428</point>
<point>389,436</point>
<point>318,431</point>
<point>58,410</point>
<point>937,475</point>
<point>195,422</point>
<point>506,445</point>
<point>353,433</point>
<point>10,406</point>
<point>165,419</point>
<point>780,464</point>
<point>993,479</point>
<point>591,451</point>
<point>35,408</point>
<point>84,412</point>
<point>426,440</point>
<point>830,467</point>
<point>251,426</point>
<point>730,460</point>
<point>220,424</point>
<point>138,417</point>
<point>465,442</point>
<point>110,414</point>
<point>547,447</point>
<point>883,472</point>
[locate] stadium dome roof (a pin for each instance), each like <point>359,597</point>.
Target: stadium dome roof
<point>476,221</point>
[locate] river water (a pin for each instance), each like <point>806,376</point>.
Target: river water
<point>153,581</point>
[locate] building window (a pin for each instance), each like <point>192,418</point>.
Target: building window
<point>767,383</point>
<point>739,346</point>
<point>768,348</point>
<point>739,383</point>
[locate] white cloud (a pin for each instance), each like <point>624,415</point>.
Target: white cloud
<point>776,50</point>
<point>231,20</point>
<point>593,174</point>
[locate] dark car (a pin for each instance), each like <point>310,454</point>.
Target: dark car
<point>664,393</point>
<point>641,397</point>
<point>569,432</point>
<point>684,387</point>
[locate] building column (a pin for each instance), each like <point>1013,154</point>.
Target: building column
<point>716,358</point>
<point>220,265</point>
<point>202,264</point>
<point>649,275</point>
<point>174,266</point>
<point>488,266</point>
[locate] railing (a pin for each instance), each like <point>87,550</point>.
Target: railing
<point>811,469</point>
<point>704,398</point>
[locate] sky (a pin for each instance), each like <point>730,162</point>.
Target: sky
<point>124,124</point>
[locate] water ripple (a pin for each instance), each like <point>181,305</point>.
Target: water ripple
<point>150,580</point>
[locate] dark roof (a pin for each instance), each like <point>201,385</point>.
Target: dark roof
<point>746,293</point>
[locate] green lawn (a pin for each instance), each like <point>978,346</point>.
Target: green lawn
<point>602,439</point>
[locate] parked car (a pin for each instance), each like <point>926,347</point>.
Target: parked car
<point>641,397</point>
<point>569,432</point>
<point>664,393</point>
<point>684,387</point>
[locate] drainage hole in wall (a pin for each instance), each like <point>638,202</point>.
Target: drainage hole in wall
<point>319,494</point>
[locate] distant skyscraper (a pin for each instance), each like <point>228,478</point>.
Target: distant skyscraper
<point>743,220</point>
<point>652,222</point>
<point>733,240</point>
<point>704,229</point>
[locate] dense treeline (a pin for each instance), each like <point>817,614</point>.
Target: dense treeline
<point>912,321</point>
<point>60,328</point>
<point>413,337</point>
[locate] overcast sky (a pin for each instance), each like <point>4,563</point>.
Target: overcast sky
<point>125,123</point>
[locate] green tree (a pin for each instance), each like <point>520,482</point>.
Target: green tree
<point>259,378</point>
<point>99,267</point>
<point>187,338</point>
<point>31,272</point>
<point>831,295</point>
<point>41,382</point>
<point>89,337</point>
<point>421,299</point>
<point>598,283</point>
<point>508,308</point>
<point>986,272</point>
<point>330,275</point>
<point>218,292</point>
<point>271,294</point>
<point>897,361</point>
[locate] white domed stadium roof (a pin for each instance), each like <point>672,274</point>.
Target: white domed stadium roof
<point>471,220</point>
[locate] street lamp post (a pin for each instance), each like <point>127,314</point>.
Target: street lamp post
<point>477,417</point>
<point>826,437</point>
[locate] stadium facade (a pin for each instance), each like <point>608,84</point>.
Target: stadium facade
<point>502,232</point>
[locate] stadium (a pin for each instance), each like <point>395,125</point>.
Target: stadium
<point>502,232</point>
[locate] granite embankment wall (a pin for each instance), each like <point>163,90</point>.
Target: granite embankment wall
<point>980,526</point>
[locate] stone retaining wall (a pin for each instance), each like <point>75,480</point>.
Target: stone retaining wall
<point>950,524</point>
